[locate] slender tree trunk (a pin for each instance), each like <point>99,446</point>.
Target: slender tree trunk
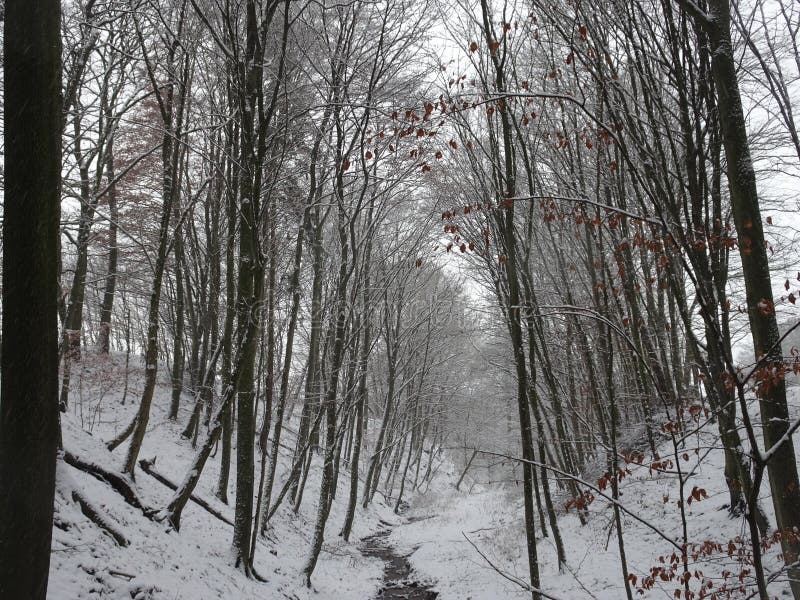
<point>174,509</point>
<point>782,465</point>
<point>329,406</point>
<point>107,305</point>
<point>172,117</point>
<point>269,383</point>
<point>312,371</point>
<point>376,461</point>
<point>74,317</point>
<point>361,401</point>
<point>230,314</point>
<point>177,340</point>
<point>294,287</point>
<point>505,224</point>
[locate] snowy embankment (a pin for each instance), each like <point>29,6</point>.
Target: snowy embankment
<point>445,542</point>
<point>195,563</point>
<point>441,547</point>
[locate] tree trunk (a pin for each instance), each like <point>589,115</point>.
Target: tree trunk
<point>177,339</point>
<point>782,466</point>
<point>329,405</point>
<point>29,430</point>
<point>74,318</point>
<point>230,313</point>
<point>513,312</point>
<point>312,370</point>
<point>172,117</point>
<point>361,401</point>
<point>107,305</point>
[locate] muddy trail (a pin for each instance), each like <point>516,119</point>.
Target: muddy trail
<point>398,581</point>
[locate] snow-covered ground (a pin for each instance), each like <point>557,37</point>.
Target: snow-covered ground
<point>492,519</point>
<point>195,563</point>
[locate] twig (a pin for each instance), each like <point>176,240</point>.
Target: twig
<point>524,585</point>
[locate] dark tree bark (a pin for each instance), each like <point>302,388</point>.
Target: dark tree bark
<point>29,428</point>
<point>107,304</point>
<point>329,403</point>
<point>782,465</point>
<point>74,315</point>
<point>361,394</point>
<point>177,338</point>
<point>376,461</point>
<point>250,281</point>
<point>230,312</point>
<point>513,313</point>
<point>312,385</point>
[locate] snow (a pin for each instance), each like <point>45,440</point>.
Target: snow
<point>196,562</point>
<point>492,518</point>
<point>193,564</point>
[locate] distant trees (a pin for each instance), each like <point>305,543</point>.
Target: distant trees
<point>29,428</point>
<point>609,164</point>
<point>272,200</point>
<point>172,99</point>
<point>287,137</point>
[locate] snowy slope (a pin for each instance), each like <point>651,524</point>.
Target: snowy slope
<point>492,519</point>
<point>195,563</point>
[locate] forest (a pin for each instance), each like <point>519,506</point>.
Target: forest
<point>424,299</point>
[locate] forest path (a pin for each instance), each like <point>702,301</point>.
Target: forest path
<point>397,580</point>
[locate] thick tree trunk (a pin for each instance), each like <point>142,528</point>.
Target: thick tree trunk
<point>250,284</point>
<point>29,430</point>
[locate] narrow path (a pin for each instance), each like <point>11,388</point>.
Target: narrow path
<point>397,582</point>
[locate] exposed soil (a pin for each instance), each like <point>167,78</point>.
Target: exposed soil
<point>398,582</point>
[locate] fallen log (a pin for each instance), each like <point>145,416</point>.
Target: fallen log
<point>96,517</point>
<point>147,467</point>
<point>118,482</point>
